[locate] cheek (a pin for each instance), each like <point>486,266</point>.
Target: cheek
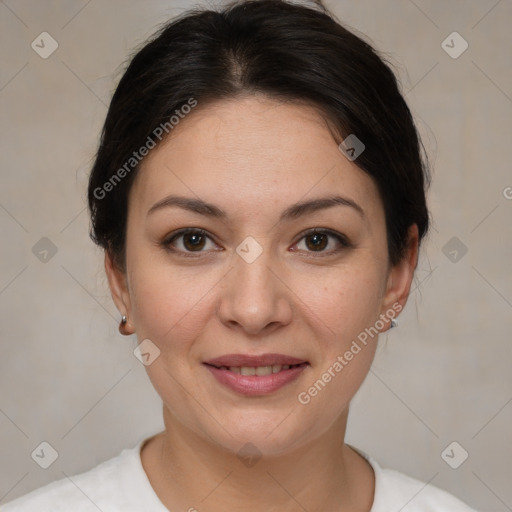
<point>345,301</point>
<point>160,309</point>
<point>169,304</point>
<point>346,311</point>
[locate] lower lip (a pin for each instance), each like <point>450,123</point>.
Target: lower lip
<point>253,384</point>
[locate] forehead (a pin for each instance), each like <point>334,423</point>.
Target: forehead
<point>253,150</point>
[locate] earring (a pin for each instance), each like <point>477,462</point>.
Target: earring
<point>122,324</point>
<point>394,323</point>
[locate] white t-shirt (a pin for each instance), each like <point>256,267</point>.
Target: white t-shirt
<point>120,484</point>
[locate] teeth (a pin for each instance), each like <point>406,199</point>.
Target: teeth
<point>263,370</point>
<point>259,370</point>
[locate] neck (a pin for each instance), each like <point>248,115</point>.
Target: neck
<point>189,472</point>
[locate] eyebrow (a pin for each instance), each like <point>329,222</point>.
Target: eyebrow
<point>292,212</point>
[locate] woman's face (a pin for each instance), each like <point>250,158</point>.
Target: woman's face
<point>256,282</point>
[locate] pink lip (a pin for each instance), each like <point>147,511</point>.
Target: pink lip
<point>251,385</point>
<point>259,360</point>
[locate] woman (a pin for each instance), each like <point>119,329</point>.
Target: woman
<point>259,192</point>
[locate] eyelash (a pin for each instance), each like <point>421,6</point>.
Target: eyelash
<point>341,239</point>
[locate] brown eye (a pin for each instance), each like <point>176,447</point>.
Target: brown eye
<point>193,241</point>
<point>188,241</point>
<point>316,241</point>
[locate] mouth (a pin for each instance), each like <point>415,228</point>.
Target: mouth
<point>260,371</point>
<point>260,365</point>
<point>256,375</point>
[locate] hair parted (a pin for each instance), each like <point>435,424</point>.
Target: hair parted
<point>288,51</point>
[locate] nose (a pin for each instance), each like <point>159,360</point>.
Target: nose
<point>255,297</point>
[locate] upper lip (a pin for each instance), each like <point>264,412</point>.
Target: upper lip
<point>257,360</point>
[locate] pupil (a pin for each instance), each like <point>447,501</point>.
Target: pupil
<point>193,240</point>
<point>318,238</point>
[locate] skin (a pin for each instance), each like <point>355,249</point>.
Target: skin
<point>254,157</point>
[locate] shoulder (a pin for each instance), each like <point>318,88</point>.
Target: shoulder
<point>97,489</point>
<point>394,490</point>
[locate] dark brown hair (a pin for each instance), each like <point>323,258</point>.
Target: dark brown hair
<point>286,51</point>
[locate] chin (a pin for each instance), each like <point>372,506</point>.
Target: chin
<point>269,436</point>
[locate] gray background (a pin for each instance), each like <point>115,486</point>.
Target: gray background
<point>69,378</point>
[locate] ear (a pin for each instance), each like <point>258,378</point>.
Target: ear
<point>400,278</point>
<point>119,290</point>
